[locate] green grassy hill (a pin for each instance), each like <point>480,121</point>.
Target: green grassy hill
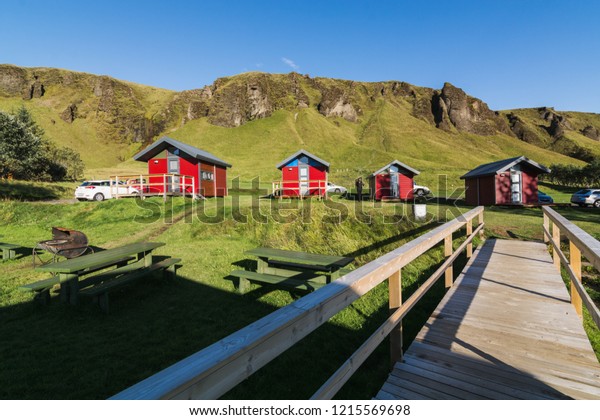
<point>254,120</point>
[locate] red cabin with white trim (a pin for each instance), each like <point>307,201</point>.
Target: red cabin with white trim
<point>505,182</point>
<point>168,158</point>
<point>393,182</point>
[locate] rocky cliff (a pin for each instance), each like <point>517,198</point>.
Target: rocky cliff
<point>124,112</point>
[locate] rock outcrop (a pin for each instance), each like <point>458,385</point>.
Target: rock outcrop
<point>69,114</point>
<point>35,90</point>
<point>522,130</point>
<point>12,80</point>
<point>558,122</point>
<point>466,113</point>
<point>335,103</point>
<point>591,132</point>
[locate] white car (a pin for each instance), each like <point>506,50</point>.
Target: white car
<point>102,190</point>
<point>420,190</point>
<point>335,189</point>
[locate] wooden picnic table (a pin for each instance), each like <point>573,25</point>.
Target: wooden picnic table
<point>8,250</point>
<point>69,271</point>
<point>278,261</point>
<point>293,270</point>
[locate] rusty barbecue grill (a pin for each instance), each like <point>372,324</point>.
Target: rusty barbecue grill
<point>66,243</point>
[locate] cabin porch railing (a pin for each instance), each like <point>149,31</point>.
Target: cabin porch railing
<point>147,185</point>
<point>319,186</point>
<point>581,244</point>
<point>213,371</point>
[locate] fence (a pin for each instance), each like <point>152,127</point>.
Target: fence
<point>305,188</point>
<point>580,243</point>
<point>213,371</point>
<point>153,185</point>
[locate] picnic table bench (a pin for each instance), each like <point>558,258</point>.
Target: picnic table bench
<point>72,275</point>
<point>9,251</point>
<point>292,270</point>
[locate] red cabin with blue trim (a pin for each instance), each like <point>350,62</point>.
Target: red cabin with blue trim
<point>302,175</point>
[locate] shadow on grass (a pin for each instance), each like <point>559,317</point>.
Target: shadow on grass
<point>76,352</point>
<point>380,244</point>
<point>580,214</point>
<point>559,188</point>
<point>26,192</point>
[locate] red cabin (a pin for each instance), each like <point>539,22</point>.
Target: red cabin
<point>508,181</point>
<point>172,157</point>
<point>393,182</point>
<point>303,174</point>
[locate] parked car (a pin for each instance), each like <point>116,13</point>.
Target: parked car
<point>335,189</point>
<point>544,198</point>
<point>101,190</point>
<point>420,190</point>
<point>587,197</point>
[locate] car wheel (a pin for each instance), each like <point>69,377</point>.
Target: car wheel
<point>597,204</point>
<point>337,191</point>
<point>99,197</point>
<point>420,193</point>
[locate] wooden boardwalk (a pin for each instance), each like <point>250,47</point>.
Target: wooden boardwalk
<point>506,330</point>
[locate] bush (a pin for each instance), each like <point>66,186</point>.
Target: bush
<point>574,176</point>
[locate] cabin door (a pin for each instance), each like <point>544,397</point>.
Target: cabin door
<point>173,169</point>
<point>394,185</point>
<point>516,187</point>
<point>303,180</point>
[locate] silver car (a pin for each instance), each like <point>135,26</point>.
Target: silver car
<point>587,197</point>
<point>335,189</point>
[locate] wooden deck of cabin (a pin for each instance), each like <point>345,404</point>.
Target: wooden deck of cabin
<point>505,330</point>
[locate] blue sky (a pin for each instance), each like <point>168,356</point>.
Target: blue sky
<point>509,53</point>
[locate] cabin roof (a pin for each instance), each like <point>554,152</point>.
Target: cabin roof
<point>500,166</point>
<point>164,142</point>
<point>398,163</point>
<point>299,153</point>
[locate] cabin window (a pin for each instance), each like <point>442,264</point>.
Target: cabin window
<point>207,176</point>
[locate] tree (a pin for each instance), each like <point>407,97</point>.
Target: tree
<point>21,151</point>
<point>26,154</point>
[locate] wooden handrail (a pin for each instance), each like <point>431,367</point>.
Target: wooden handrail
<point>580,243</point>
<point>213,371</point>
<point>343,374</point>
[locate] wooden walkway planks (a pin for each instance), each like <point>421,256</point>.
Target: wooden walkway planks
<point>506,330</point>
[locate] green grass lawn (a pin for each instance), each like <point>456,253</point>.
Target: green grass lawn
<point>64,352</point>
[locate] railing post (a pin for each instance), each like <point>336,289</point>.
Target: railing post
<point>575,263</point>
<point>447,253</point>
<point>547,226</point>
<point>470,244</point>
<point>142,186</point>
<point>395,292</point>
<point>556,238</point>
<point>481,222</point>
